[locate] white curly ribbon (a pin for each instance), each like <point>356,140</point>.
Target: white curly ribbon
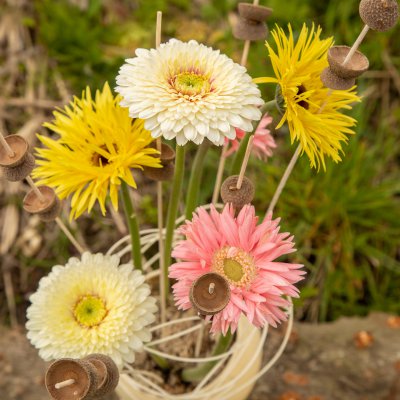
<point>236,370</point>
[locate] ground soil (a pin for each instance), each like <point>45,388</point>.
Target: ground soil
<point>350,359</point>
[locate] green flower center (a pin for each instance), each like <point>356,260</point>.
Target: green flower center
<point>191,84</point>
<point>90,311</point>
<point>233,270</point>
<point>235,265</point>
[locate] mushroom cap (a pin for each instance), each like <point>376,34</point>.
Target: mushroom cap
<point>245,30</point>
<point>254,12</point>
<point>207,303</point>
<point>357,65</point>
<point>167,153</point>
<point>166,173</point>
<point>21,171</point>
<point>335,82</point>
<point>19,146</point>
<point>379,15</point>
<point>238,197</point>
<point>67,368</point>
<point>32,203</point>
<point>107,372</point>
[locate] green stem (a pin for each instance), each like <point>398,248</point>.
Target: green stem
<point>133,226</point>
<point>173,208</point>
<point>195,179</point>
<point>196,374</point>
<point>161,362</point>
<point>268,106</point>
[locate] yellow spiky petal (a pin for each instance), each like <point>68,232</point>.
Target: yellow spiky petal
<point>98,145</point>
<point>313,112</point>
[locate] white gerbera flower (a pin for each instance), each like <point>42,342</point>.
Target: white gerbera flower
<point>190,92</point>
<point>93,305</point>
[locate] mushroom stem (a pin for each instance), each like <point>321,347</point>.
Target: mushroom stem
<point>211,288</point>
<point>63,384</point>
<point>6,146</point>
<point>35,189</point>
<point>244,163</point>
<point>356,44</point>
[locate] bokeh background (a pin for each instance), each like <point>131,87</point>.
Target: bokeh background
<point>346,220</point>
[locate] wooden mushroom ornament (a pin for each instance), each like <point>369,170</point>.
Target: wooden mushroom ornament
<point>239,197</point>
<point>90,378</point>
<point>165,173</point>
<point>251,24</point>
<point>345,63</point>
<point>340,75</point>
<point>107,373</point>
<point>210,294</point>
<point>43,202</point>
<point>69,379</point>
<point>15,159</point>
<point>379,15</point>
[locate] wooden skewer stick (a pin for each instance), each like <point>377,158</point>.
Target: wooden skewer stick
<point>64,384</point>
<point>35,189</point>
<point>246,47</point>
<point>356,45</point>
<point>220,173</point>
<point>211,288</point>
<point>6,146</point>
<point>245,162</point>
<point>160,222</point>
<point>69,235</point>
<point>222,159</point>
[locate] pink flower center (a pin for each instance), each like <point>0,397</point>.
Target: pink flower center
<point>235,265</point>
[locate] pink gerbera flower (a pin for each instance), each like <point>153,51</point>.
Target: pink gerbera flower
<point>244,253</point>
<point>263,142</point>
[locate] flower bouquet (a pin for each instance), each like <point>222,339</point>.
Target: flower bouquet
<point>111,325</point>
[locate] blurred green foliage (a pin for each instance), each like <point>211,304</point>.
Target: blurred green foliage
<point>75,41</point>
<point>347,220</point>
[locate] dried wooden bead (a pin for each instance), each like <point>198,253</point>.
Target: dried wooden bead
<point>107,373</point>
<point>335,82</point>
<point>82,372</point>
<point>210,294</point>
<point>48,209</point>
<point>251,24</point>
<point>379,15</point>
<point>356,66</point>
<point>238,197</point>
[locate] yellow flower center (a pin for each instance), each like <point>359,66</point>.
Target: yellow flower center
<point>90,311</point>
<point>189,83</point>
<point>235,265</point>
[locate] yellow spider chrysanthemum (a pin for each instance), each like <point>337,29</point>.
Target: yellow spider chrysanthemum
<point>98,145</point>
<point>312,111</point>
